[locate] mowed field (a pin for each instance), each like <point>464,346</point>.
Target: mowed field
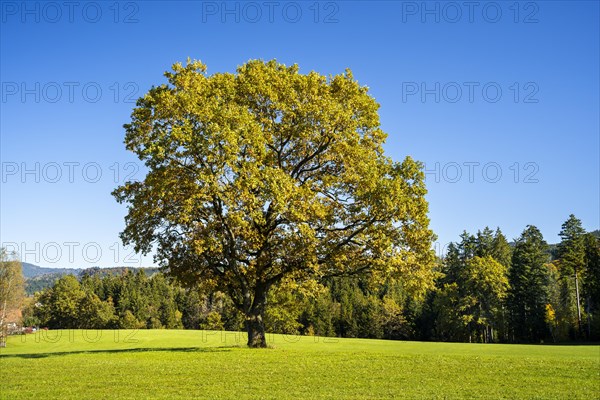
<point>216,365</point>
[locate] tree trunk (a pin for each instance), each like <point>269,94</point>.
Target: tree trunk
<point>255,325</point>
<point>256,331</point>
<point>589,322</point>
<point>578,303</point>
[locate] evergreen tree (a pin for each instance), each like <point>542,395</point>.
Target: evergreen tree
<point>591,284</point>
<point>529,281</point>
<point>451,265</point>
<point>501,250</point>
<point>448,303</point>
<point>484,242</point>
<point>467,247</point>
<point>191,309</point>
<point>571,255</point>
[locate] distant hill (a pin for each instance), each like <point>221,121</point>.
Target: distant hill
<point>40,282</point>
<point>31,270</point>
<point>39,278</point>
<point>117,270</point>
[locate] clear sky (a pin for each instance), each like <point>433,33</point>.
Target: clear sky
<point>500,100</point>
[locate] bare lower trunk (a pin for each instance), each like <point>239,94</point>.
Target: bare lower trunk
<point>255,324</point>
<point>589,322</point>
<point>578,303</point>
<point>256,331</point>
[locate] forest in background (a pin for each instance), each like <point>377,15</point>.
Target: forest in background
<point>487,290</point>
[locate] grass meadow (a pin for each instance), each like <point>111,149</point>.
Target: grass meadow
<point>171,364</point>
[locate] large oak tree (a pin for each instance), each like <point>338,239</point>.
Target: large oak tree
<point>268,174</point>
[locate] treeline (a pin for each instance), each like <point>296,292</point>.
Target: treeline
<point>128,300</point>
<point>487,290</point>
<point>40,282</point>
<point>342,307</point>
<point>490,291</point>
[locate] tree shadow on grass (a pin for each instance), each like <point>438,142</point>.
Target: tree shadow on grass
<point>117,351</point>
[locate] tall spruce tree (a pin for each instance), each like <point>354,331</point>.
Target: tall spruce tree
<point>571,255</point>
<point>591,284</point>
<point>484,242</point>
<point>528,293</point>
<point>501,250</point>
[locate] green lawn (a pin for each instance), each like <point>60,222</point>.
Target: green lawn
<point>194,364</point>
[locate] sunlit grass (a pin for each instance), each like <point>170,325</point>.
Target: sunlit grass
<point>200,364</point>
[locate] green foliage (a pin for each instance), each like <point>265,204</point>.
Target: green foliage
<point>28,313</point>
<point>485,284</point>
<point>95,313</point>
<point>320,314</point>
<point>484,242</point>
<point>131,300</point>
<point>191,309</point>
<point>154,323</point>
<point>469,302</point>
<point>501,250</point>
<point>591,285</point>
<point>393,320</point>
<point>571,249</point>
<point>68,305</point>
<point>591,276</point>
<point>529,287</point>
<point>571,260</point>
<point>213,322</point>
<point>129,321</point>
<point>285,305</point>
<point>58,307</point>
<point>447,314</point>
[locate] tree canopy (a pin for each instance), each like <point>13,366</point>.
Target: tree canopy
<point>268,174</point>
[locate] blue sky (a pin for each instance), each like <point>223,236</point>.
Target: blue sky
<point>500,101</point>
